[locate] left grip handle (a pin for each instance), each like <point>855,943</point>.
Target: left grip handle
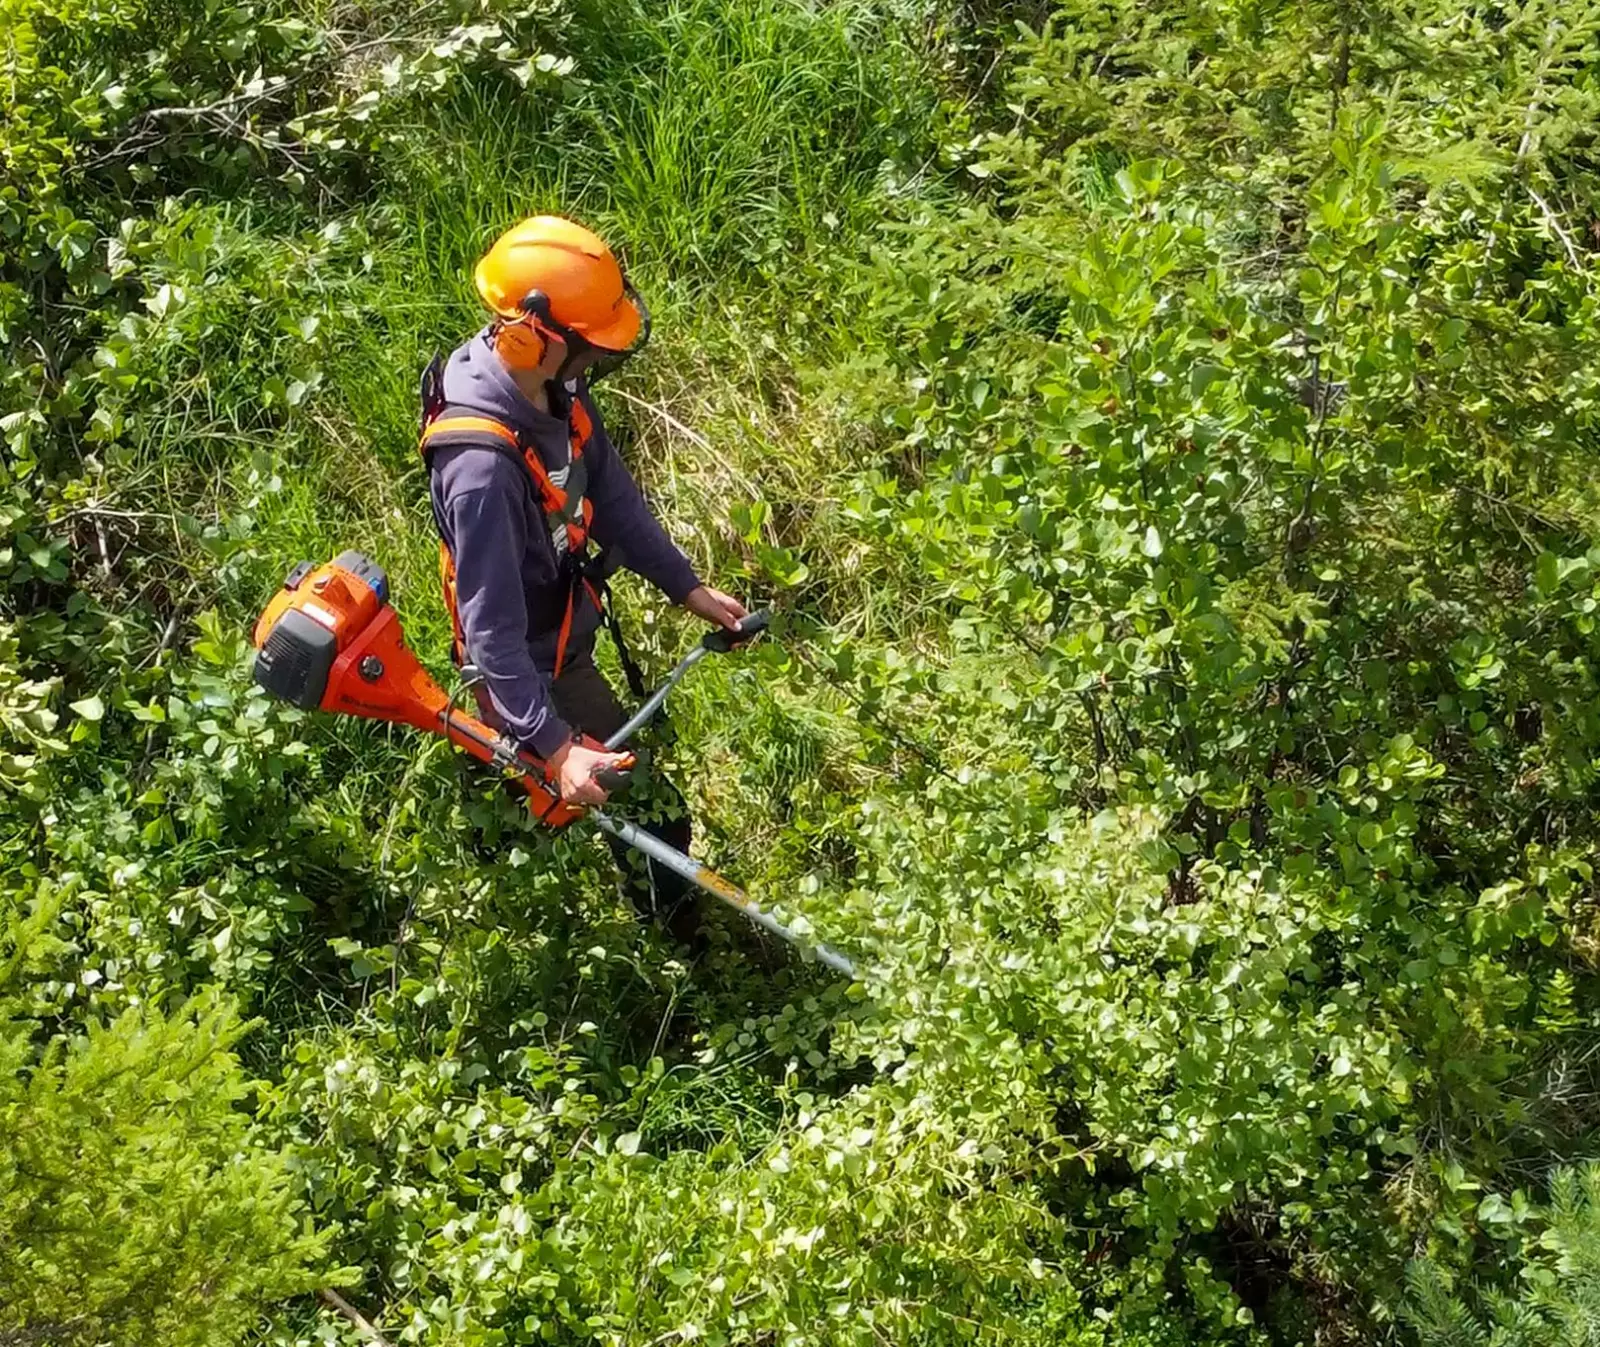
<point>612,779</point>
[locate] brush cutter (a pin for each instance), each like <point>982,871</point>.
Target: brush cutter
<point>330,641</point>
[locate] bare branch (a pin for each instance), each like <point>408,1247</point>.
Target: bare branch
<point>1551,219</point>
<point>332,1298</point>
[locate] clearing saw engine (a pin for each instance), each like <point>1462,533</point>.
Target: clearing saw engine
<point>329,641</point>
<point>319,611</point>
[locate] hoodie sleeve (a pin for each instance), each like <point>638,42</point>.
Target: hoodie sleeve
<point>490,531</point>
<point>623,521</point>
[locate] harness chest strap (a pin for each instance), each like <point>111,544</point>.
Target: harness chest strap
<point>568,513</point>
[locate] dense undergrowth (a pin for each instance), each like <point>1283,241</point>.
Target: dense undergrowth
<point>1167,430</point>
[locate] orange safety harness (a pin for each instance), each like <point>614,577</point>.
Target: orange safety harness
<point>568,513</point>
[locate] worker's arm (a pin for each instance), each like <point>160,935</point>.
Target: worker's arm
<point>622,520</point>
<point>480,494</point>
<point>490,530</point>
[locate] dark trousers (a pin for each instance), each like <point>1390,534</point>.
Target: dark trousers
<point>585,701</point>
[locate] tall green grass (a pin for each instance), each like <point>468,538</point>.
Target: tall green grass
<point>709,137</point>
<point>735,151</point>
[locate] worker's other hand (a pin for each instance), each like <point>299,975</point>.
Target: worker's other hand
<point>575,767</point>
<point>719,609</point>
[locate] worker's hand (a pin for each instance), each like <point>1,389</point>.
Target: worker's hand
<point>719,609</point>
<point>574,768</point>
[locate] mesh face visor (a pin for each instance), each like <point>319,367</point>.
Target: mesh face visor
<point>605,361</point>
<point>598,361</point>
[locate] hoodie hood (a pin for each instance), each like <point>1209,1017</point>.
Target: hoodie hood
<point>475,378</point>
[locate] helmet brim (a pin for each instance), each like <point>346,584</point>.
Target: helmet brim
<point>621,332</point>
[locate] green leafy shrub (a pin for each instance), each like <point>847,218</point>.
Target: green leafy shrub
<point>1263,463</point>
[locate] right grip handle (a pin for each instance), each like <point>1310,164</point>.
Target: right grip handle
<point>613,779</point>
<point>750,626</point>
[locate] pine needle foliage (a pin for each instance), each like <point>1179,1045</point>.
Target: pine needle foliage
<point>1547,1297</point>
<point>134,1205</point>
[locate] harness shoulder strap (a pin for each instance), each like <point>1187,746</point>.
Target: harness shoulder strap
<point>568,511</point>
<point>582,426</point>
<point>432,390</point>
<point>446,428</point>
<point>440,428</point>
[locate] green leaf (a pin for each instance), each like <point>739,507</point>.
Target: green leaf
<point>1203,375</point>
<point>1151,546</point>
<point>90,708</point>
<point>1495,1210</point>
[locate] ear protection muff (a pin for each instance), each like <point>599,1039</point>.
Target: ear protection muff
<point>523,343</point>
<point>520,345</point>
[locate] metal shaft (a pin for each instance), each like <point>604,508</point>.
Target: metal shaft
<point>714,884</point>
<point>646,713</point>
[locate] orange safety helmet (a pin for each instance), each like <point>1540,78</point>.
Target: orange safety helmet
<point>547,273</point>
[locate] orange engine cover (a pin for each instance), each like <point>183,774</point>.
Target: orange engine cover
<point>329,640</point>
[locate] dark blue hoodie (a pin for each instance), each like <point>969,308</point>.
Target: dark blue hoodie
<point>510,591</point>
